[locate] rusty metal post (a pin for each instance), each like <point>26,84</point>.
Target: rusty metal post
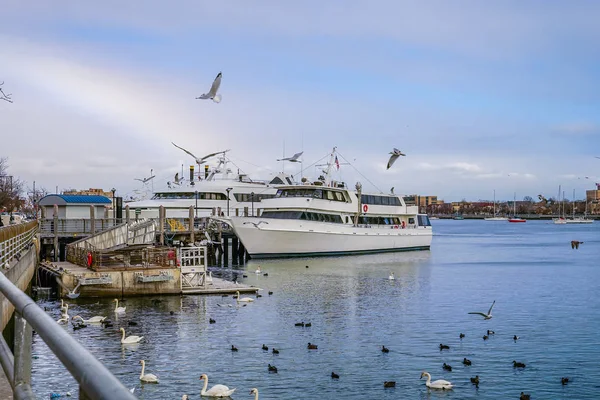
<point>161,223</point>
<point>191,224</point>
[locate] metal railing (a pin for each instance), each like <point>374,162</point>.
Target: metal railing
<point>68,226</point>
<point>105,260</point>
<point>95,381</point>
<point>14,239</point>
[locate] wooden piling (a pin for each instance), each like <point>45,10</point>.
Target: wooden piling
<point>55,221</point>
<point>161,222</point>
<point>92,219</point>
<point>191,217</point>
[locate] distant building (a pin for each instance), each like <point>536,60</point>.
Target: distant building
<point>592,197</point>
<point>88,192</point>
<point>74,206</point>
<point>424,202</point>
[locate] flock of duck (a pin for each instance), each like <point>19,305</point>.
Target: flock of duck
<point>220,390</point>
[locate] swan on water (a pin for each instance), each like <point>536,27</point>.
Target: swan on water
<point>63,319</point>
<point>391,277</point>
<point>254,391</point>
<point>117,308</point>
<point>147,378</point>
<point>484,315</point>
<point>94,320</point>
<point>130,339</point>
<point>215,391</point>
<point>63,307</point>
<point>258,271</point>
<point>243,299</point>
<point>439,384</point>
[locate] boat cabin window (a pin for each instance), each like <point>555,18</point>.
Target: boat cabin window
<point>380,220</point>
<point>380,200</point>
<point>303,215</point>
<point>189,195</point>
<point>247,197</point>
<point>312,192</point>
<point>411,221</point>
<point>423,220</point>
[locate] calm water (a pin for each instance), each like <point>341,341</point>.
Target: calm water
<point>545,292</point>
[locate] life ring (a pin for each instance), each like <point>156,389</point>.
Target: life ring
<point>403,224</point>
<point>89,259</point>
<point>395,226</point>
<point>365,208</point>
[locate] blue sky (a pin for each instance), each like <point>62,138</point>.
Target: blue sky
<point>481,96</point>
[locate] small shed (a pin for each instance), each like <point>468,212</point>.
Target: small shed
<point>74,206</point>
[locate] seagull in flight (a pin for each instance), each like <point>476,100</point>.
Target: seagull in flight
<point>489,313</point>
<point>256,224</point>
<point>201,160</point>
<point>392,190</point>
<point>176,179</point>
<point>294,158</point>
<point>212,93</point>
<point>145,179</point>
<point>394,156</point>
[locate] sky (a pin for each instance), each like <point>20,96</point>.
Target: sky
<point>487,96</point>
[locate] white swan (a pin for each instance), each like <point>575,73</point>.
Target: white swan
<point>63,319</point>
<point>64,308</point>
<point>391,277</point>
<point>117,308</point>
<point>215,391</point>
<point>130,339</point>
<point>258,271</point>
<point>243,299</point>
<point>94,320</point>
<point>148,378</point>
<point>439,384</point>
<point>254,391</point>
<point>209,277</point>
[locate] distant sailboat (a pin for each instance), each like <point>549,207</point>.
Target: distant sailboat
<point>495,217</point>
<point>561,220</point>
<point>579,220</point>
<point>514,218</point>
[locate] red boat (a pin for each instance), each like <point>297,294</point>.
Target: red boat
<point>517,219</point>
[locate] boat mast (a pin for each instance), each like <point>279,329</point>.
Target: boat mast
<point>329,167</point>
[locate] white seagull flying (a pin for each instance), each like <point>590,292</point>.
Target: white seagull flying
<point>489,313</point>
<point>144,180</point>
<point>394,156</point>
<point>201,160</point>
<point>294,158</point>
<point>212,93</point>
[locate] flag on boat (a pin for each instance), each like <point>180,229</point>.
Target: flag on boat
<point>337,164</point>
<point>597,184</point>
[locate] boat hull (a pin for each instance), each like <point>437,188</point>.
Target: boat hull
<point>517,220</point>
<point>286,238</point>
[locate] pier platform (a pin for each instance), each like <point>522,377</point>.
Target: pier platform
<point>131,281</point>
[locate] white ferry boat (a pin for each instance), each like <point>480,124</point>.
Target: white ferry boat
<point>218,192</point>
<point>327,218</point>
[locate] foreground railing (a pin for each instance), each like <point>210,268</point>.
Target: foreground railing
<point>14,239</point>
<point>95,381</point>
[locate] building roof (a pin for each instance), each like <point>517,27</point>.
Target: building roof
<point>64,199</point>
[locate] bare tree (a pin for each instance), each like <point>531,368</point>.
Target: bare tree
<point>4,96</point>
<point>10,188</point>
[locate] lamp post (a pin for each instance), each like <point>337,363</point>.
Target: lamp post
<point>252,199</point>
<point>113,190</point>
<point>228,190</point>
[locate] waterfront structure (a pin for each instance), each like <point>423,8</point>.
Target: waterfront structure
<point>324,217</point>
<point>73,206</point>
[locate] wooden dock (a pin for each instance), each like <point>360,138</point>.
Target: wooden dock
<point>120,282</point>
